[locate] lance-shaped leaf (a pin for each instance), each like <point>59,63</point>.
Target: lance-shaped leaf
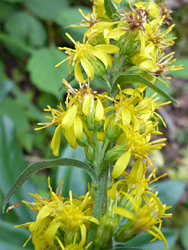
<point>35,167</point>
<point>124,79</point>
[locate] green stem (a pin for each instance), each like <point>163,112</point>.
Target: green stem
<point>99,203</point>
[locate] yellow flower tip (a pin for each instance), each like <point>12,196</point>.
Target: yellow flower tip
<point>121,164</point>
<point>86,105</point>
<point>69,117</point>
<point>99,112</point>
<point>55,144</point>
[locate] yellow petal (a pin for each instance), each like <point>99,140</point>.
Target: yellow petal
<point>101,56</point>
<point>126,116</point>
<point>69,117</point>
<point>124,213</point>
<point>78,127</point>
<point>149,65</point>
<point>44,212</point>
<point>55,144</point>
<point>108,121</point>
<point>70,136</point>
<point>137,171</point>
<point>135,205</point>
<point>86,105</point>
<point>78,73</point>
<point>99,111</point>
<point>116,33</point>
<point>121,164</point>
<point>50,232</point>
<point>102,25</point>
<point>83,234</point>
<point>107,48</point>
<point>117,1</point>
<point>88,68</point>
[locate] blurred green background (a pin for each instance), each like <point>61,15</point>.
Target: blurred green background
<point>31,31</point>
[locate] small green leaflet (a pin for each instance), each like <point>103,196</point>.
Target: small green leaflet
<point>133,78</point>
<point>35,167</point>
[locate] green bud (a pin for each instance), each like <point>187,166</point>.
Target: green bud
<point>129,45</point>
<point>113,132</point>
<point>113,154</point>
<point>98,66</point>
<point>105,231</point>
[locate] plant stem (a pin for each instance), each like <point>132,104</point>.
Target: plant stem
<point>99,203</point>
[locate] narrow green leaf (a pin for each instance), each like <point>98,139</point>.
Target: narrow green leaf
<point>133,78</point>
<point>110,8</point>
<point>35,167</point>
<point>5,87</point>
<point>12,163</point>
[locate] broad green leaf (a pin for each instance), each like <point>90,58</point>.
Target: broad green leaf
<point>46,9</point>
<point>14,1</point>
<point>110,8</point>
<point>43,72</point>
<point>181,73</point>
<point>3,75</point>
<point>18,237</point>
<point>170,191</point>
<point>78,187</point>
<point>35,167</point>
<point>63,19</point>
<point>26,28</point>
<point>10,41</point>
<point>184,236</point>
<point>6,11</point>
<point>143,240</point>
<point>11,164</point>
<point>122,80</point>
<point>5,87</point>
<point>19,117</point>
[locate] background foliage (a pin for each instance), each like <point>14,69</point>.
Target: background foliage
<point>31,31</point>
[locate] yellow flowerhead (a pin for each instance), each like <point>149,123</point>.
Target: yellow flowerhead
<point>86,55</point>
<point>139,147</point>
<point>143,216</point>
<point>59,219</point>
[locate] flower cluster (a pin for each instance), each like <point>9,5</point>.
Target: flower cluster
<point>60,221</point>
<point>133,199</point>
<point>118,129</point>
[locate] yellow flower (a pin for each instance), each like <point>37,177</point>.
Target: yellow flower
<point>87,55</point>
<point>143,216</point>
<point>59,219</point>
<point>84,109</point>
<point>139,147</point>
<point>69,121</point>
